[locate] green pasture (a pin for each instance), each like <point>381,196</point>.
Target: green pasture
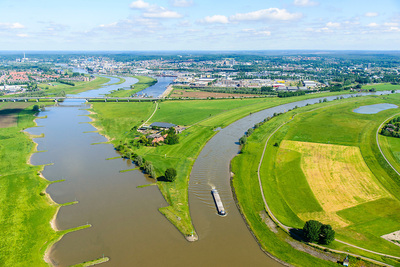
<point>391,148</point>
<point>282,179</point>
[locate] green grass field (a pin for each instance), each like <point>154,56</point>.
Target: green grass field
<point>24,213</point>
<point>142,84</point>
<point>381,87</point>
<point>68,89</point>
<point>285,170</point>
<point>391,148</point>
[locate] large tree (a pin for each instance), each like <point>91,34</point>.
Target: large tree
<point>311,230</point>
<point>327,234</point>
<point>170,174</point>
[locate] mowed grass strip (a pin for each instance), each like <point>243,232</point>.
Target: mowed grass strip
<point>337,175</point>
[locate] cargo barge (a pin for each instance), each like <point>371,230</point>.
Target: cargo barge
<point>218,202</point>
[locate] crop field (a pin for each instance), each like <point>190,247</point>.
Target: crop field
<point>316,162</point>
<point>330,171</point>
<point>342,177</point>
<point>9,113</point>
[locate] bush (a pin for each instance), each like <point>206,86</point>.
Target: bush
<point>35,108</point>
<point>170,174</point>
<point>243,140</point>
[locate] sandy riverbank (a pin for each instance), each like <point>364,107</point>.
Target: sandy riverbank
<point>167,91</point>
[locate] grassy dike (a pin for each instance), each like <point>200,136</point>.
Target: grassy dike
<point>289,195</point>
<point>143,83</point>
<point>117,121</point>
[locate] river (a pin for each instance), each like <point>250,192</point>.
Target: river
<point>126,224</point>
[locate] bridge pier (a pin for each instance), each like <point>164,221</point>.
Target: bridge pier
<point>116,100</point>
<point>37,100</point>
<point>105,99</point>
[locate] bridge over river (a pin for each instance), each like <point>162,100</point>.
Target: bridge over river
<point>88,99</point>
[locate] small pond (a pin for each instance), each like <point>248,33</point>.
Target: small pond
<point>373,109</point>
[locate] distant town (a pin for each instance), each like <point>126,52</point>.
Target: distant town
<point>236,73</point>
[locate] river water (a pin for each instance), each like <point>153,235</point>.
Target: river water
<point>126,224</point>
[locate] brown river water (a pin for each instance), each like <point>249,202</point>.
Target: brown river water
<point>126,224</point>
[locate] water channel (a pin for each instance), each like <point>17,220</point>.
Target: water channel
<point>126,224</point>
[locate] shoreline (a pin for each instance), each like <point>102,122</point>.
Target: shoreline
<point>167,91</point>
<point>46,256</point>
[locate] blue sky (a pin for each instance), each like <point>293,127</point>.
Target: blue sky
<point>199,25</point>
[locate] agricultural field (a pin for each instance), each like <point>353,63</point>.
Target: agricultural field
<point>9,113</point>
<point>327,167</point>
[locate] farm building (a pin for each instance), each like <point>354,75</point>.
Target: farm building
<point>164,125</point>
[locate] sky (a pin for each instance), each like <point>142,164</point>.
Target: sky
<point>146,25</point>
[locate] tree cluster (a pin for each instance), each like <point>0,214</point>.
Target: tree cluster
<point>317,232</point>
<point>392,128</point>
<point>172,138</point>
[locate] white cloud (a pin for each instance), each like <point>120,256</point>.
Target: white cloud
<point>373,24</point>
<point>215,19</point>
<point>267,14</point>
<point>371,14</point>
<point>14,25</point>
<point>255,32</point>
<point>182,3</point>
<point>333,25</point>
<point>391,24</point>
<point>139,4</point>
<point>154,11</point>
<point>162,14</point>
<point>305,3</point>
<point>22,35</point>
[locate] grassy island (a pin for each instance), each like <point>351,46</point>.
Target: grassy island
<point>143,83</point>
<point>325,165</point>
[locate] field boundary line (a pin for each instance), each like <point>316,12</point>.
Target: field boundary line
<point>287,228</point>
<point>379,146</point>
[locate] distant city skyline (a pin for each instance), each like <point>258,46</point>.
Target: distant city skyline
<point>145,25</point>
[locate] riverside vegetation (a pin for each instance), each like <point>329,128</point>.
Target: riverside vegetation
<point>25,208</point>
<point>119,121</point>
<point>359,195</point>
